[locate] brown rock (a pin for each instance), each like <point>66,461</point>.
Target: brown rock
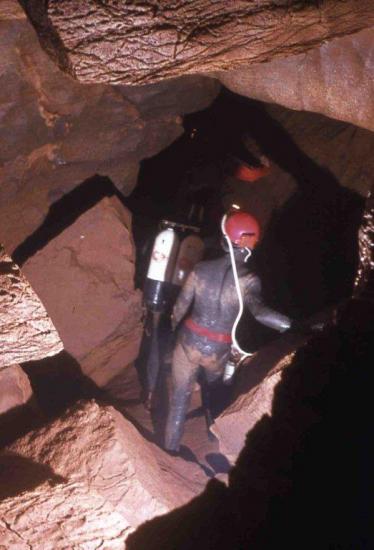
<point>85,278</point>
<point>342,149</point>
<point>98,446</point>
<point>55,133</point>
<point>335,78</point>
<point>130,43</point>
<point>26,331</point>
<point>15,388</point>
<point>68,515</point>
<point>255,385</point>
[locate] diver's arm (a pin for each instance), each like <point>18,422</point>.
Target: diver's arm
<point>184,300</point>
<point>260,311</point>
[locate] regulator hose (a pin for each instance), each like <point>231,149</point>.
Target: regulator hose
<point>235,344</point>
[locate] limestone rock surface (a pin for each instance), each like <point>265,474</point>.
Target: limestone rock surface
<point>98,446</point>
<point>335,78</point>
<point>26,331</point>
<point>55,133</point>
<point>85,278</point>
<point>141,43</point>
<point>15,388</point>
<point>55,517</point>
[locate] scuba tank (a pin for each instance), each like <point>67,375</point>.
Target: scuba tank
<point>190,252</point>
<point>163,282</point>
<point>160,269</point>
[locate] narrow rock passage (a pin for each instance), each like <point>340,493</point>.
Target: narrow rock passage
<point>124,392</point>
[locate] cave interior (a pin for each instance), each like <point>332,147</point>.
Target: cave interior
<point>88,172</point>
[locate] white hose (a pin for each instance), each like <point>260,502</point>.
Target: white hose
<point>235,345</point>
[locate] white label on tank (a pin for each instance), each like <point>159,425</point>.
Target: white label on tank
<point>161,265</point>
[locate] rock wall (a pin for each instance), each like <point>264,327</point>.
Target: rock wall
<point>335,79</point>
<point>56,133</point>
<point>331,71</point>
<point>85,277</point>
<point>26,331</point>
<point>97,446</point>
<point>130,43</point>
<point>69,515</point>
<point>255,387</point>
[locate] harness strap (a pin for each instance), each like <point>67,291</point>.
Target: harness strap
<point>204,331</point>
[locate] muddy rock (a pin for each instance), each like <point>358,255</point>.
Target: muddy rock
<point>98,446</point>
<point>66,515</point>
<point>26,331</point>
<point>85,278</point>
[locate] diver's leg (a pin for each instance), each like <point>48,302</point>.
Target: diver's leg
<point>184,374</point>
<point>206,379</point>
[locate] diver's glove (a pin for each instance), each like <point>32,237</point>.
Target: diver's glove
<point>307,327</point>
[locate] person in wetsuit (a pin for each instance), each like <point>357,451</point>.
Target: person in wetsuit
<point>208,306</point>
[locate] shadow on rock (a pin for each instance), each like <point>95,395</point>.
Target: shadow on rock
<point>218,462</point>
<point>303,477</point>
<point>18,421</point>
<point>18,474</point>
<point>58,382</point>
<point>64,212</point>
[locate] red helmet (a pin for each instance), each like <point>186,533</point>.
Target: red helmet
<point>242,229</point>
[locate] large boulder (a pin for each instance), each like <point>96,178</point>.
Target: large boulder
<point>98,446</point>
<point>255,385</point>
<point>55,133</point>
<point>26,331</point>
<point>85,277</point>
<point>67,515</point>
<point>129,43</point>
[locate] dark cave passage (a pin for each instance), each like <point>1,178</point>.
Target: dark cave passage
<point>126,422</point>
<point>307,257</point>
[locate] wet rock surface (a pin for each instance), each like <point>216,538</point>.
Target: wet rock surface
<point>26,331</point>
<point>96,445</point>
<point>89,266</point>
<point>335,78</point>
<point>55,133</point>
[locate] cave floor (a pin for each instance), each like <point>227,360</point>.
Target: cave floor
<point>124,391</point>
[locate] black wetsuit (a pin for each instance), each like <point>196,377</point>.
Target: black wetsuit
<point>210,299</point>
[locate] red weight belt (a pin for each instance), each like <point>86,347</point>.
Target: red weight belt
<point>203,331</point>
